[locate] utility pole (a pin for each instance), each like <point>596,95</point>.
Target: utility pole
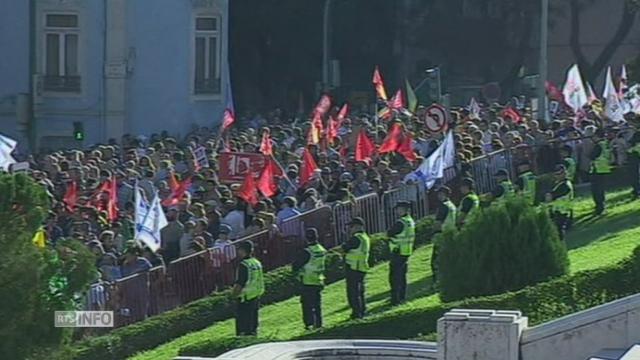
<point>542,62</point>
<point>325,45</point>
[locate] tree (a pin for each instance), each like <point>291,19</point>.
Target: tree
<point>504,247</point>
<point>34,282</point>
<point>591,70</point>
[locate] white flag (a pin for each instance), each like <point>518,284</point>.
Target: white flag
<point>623,81</point>
<point>141,208</point>
<point>574,92</point>
<point>7,145</point>
<point>633,96</point>
<point>474,108</point>
<point>449,151</point>
<point>432,168</point>
<point>612,109</point>
<point>148,229</point>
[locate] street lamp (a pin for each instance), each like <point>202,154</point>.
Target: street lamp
<point>325,45</point>
<point>543,114</point>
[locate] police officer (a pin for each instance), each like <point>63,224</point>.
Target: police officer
<point>309,266</point>
<point>561,196</point>
<point>601,158</point>
<point>505,187</point>
<point>470,200</point>
<point>445,219</point>
<point>634,162</point>
<point>248,289</point>
<point>526,183</point>
<point>401,239</point>
<point>357,265</point>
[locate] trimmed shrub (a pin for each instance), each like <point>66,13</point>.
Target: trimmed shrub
<point>540,303</point>
<point>504,247</point>
<point>279,286</point>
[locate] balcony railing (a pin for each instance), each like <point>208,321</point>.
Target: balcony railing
<point>67,84</point>
<point>207,86</point>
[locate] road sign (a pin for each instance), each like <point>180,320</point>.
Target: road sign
<point>435,118</point>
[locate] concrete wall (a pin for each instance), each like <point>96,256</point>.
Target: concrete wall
<point>161,37</point>
<point>580,335</point>
<point>14,66</point>
<point>135,60</point>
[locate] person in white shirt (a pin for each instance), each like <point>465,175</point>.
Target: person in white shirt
<point>235,220</point>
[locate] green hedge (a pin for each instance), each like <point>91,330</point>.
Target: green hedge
<point>152,332</point>
<point>542,302</point>
<point>503,247</point>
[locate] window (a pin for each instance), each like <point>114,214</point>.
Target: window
<point>207,56</point>
<point>61,53</point>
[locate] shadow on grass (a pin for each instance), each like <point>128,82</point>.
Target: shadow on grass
<point>415,289</point>
<point>594,228</point>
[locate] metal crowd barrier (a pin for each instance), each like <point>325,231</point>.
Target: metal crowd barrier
<point>190,278</point>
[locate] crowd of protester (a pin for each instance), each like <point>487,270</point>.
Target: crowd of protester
<point>210,214</point>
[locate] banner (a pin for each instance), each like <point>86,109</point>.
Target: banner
<point>234,166</point>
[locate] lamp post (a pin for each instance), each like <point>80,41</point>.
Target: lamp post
<point>543,114</point>
<point>325,45</point>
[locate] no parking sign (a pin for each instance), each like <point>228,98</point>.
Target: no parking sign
<point>435,118</point>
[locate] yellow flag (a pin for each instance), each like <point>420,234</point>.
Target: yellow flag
<point>40,238</point>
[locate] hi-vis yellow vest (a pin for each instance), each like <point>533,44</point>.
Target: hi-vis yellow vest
<point>358,259</point>
<point>254,288</point>
<point>312,273</point>
<point>403,242</point>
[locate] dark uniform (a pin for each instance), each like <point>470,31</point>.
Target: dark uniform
<point>250,278</point>
<point>600,168</point>
<point>310,266</point>
<point>357,266</point>
<point>634,163</point>
<point>561,209</point>
<point>401,239</point>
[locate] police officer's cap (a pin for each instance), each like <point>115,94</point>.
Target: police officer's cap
<point>356,221</point>
<point>225,229</point>
<point>403,204</point>
<point>247,246</point>
<point>468,182</point>
<point>311,234</point>
<point>445,190</point>
<point>501,172</point>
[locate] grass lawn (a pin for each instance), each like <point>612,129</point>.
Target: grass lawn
<point>593,243</point>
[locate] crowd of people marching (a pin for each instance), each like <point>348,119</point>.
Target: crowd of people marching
<point>333,157</point>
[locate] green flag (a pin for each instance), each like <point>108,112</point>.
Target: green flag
<point>412,100</point>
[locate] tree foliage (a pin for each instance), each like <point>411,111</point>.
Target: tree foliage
<point>34,282</point>
<point>504,247</point>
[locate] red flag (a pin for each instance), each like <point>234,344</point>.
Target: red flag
<point>323,106</point>
<point>553,92</point>
<point>406,148</point>
<point>332,129</point>
<point>344,151</point>
<point>228,119</point>
<point>267,183</point>
<point>71,196</point>
<point>307,168</point>
<point>365,148</point>
<point>379,84</point>
<point>265,146</point>
<point>393,139</point>
<point>397,102</point>
<point>178,190</point>
<point>248,191</point>
<point>511,113</point>
<point>111,205</point>
<point>342,114</point>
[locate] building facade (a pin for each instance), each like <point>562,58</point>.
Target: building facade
<point>82,72</point>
